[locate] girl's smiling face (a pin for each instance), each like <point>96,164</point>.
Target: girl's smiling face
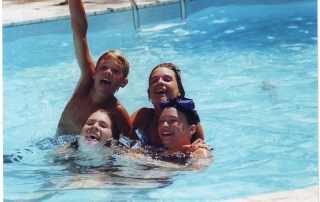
<point>174,130</point>
<point>163,85</point>
<point>96,131</point>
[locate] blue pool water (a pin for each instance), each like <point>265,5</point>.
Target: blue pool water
<point>251,69</point>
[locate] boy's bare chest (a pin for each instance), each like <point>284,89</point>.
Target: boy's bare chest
<point>78,113</point>
<point>72,119</point>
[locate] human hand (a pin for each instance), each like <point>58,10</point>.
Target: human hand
<point>199,143</point>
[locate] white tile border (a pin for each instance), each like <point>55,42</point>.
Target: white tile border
<point>35,12</point>
<point>310,194</point>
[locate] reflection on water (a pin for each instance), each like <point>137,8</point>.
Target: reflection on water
<point>71,169</point>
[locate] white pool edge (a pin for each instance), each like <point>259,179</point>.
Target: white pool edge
<point>310,194</point>
<point>24,14</point>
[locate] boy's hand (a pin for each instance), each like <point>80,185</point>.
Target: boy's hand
<point>196,145</point>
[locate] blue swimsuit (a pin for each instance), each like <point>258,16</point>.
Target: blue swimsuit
<point>144,135</point>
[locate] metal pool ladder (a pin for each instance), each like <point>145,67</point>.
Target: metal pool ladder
<point>136,18</point>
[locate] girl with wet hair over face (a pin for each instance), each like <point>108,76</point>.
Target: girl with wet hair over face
<point>164,83</point>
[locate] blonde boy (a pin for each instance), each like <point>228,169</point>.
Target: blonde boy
<point>97,83</point>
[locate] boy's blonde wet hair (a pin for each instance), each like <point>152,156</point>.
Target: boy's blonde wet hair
<point>118,56</point>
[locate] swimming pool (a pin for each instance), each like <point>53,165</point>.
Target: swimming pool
<point>251,69</point>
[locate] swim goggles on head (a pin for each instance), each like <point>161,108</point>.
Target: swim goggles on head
<point>182,102</point>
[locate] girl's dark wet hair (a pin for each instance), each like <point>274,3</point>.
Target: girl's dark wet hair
<point>115,127</point>
<point>191,116</point>
<point>176,71</point>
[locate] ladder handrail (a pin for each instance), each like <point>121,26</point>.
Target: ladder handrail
<point>136,18</point>
<point>183,10</point>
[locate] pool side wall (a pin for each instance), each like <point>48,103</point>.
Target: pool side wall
<point>122,19</point>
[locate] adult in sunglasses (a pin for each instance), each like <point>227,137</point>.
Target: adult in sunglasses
<point>164,83</point>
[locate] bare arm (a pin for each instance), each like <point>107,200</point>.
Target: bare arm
<point>138,119</point>
<point>198,144</point>
<point>201,153</point>
<point>124,122</point>
<point>79,24</point>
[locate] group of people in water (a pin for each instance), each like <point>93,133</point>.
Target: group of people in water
<point>97,115</point>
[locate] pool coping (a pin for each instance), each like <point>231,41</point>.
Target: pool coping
<point>14,14</point>
<point>310,194</point>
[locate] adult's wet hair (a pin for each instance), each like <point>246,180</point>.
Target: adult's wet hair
<point>176,71</point>
<point>119,56</point>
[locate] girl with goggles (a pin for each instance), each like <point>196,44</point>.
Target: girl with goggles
<point>164,83</point>
<point>177,126</point>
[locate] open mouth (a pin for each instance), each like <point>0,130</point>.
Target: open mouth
<point>105,82</point>
<point>92,137</point>
<point>167,134</point>
<point>161,91</point>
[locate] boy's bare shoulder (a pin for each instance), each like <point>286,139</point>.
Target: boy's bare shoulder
<point>122,117</point>
<point>117,104</point>
<point>116,108</point>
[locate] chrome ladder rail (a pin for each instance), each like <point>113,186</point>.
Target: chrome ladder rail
<point>136,18</point>
<point>183,11</point>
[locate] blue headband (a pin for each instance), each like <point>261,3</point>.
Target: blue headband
<point>184,105</point>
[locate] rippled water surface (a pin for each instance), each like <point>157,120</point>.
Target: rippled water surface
<point>252,71</point>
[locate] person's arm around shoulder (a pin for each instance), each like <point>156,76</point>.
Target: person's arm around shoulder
<point>201,153</point>
<point>79,24</point>
<point>196,145</point>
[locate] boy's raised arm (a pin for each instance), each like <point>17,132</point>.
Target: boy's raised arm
<point>79,24</point>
